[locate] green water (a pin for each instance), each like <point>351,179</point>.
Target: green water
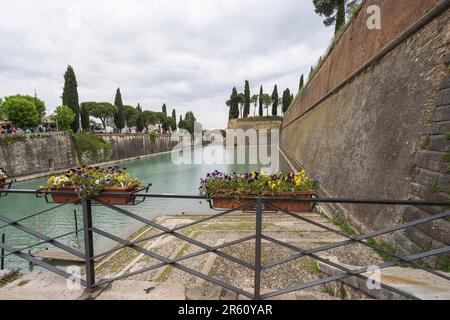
<point>165,176</point>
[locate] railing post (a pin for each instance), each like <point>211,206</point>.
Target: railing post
<point>258,228</point>
<point>2,254</point>
<point>88,244</point>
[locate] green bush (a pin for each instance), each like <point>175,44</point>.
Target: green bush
<point>89,142</point>
<point>153,136</point>
<point>4,140</point>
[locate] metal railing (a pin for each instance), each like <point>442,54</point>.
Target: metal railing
<point>259,206</point>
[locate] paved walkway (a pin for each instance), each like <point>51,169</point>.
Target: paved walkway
<point>171,283</point>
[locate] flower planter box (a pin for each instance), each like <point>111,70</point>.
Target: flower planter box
<point>110,199</point>
<point>2,183</point>
<point>220,203</point>
<point>119,199</point>
<point>65,198</point>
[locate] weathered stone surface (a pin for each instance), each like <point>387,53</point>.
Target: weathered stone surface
<point>363,138</point>
<point>127,146</point>
<point>40,286</point>
<point>447,58</point>
<point>442,113</point>
<point>37,154</point>
<point>445,83</point>
<point>435,182</point>
<point>143,290</point>
<point>439,229</point>
<point>444,97</point>
<point>440,127</point>
<point>439,143</point>
<point>431,160</point>
<point>415,282</point>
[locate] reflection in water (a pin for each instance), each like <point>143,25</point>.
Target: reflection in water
<point>165,176</point>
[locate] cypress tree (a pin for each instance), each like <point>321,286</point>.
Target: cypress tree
<point>275,101</point>
<point>70,96</point>
<point>261,92</point>
<point>302,83</point>
<point>164,109</point>
<point>84,112</point>
<point>140,119</point>
<point>174,116</point>
<point>246,99</point>
<point>286,100</point>
<point>119,117</point>
<point>233,103</point>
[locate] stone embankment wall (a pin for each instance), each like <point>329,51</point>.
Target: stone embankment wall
<point>381,131</point>
<point>37,153</point>
<point>47,153</point>
<point>128,146</point>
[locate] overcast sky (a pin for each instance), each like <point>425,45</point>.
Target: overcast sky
<point>186,53</point>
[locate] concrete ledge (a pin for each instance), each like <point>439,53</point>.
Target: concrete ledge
<point>416,282</point>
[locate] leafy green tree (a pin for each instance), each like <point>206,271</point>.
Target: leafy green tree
<point>84,113</point>
<point>130,116</point>
<point>140,123</point>
<point>164,109</point>
<point>150,118</point>
<point>247,99</point>
<point>70,96</point>
<point>188,123</point>
<point>233,103</point>
<point>275,101</point>
<point>21,112</point>
<point>38,104</point>
<point>266,100</point>
<point>102,111</point>
<point>302,83</point>
<point>335,11</point>
<point>254,100</point>
<point>119,117</point>
<point>162,121</point>
<point>261,92</point>
<point>64,117</point>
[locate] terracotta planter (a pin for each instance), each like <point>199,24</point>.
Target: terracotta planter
<point>2,182</point>
<point>120,199</point>
<point>113,200</point>
<point>219,203</point>
<point>65,198</point>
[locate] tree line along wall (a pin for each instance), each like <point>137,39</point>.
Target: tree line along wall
<point>47,153</point>
<point>384,134</point>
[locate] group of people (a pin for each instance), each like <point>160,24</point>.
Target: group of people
<point>9,129</point>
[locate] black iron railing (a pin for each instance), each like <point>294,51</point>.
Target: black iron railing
<point>259,206</point>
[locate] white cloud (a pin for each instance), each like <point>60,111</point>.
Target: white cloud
<point>186,53</point>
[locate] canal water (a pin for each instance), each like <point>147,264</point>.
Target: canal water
<point>161,171</point>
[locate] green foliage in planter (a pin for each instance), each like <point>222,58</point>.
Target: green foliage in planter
<point>88,142</point>
<point>92,181</point>
<point>240,185</point>
<point>4,140</point>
